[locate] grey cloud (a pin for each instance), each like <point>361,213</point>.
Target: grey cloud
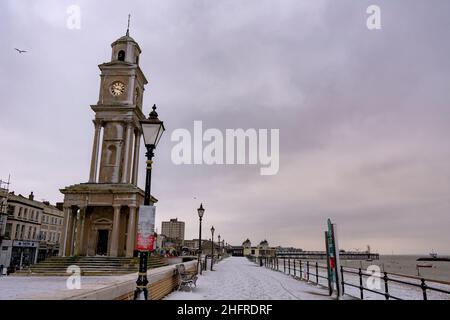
<point>363,116</point>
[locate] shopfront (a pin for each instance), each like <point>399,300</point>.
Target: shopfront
<point>24,254</point>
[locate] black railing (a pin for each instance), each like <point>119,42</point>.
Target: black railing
<point>311,272</point>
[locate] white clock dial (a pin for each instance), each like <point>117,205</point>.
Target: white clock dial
<point>117,88</point>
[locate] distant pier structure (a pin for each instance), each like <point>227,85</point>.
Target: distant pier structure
<point>321,255</point>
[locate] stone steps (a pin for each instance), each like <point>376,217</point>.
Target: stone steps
<point>90,265</point>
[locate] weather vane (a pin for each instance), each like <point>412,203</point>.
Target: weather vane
<point>128,28</point>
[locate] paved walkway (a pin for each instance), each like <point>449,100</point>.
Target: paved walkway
<point>238,278</point>
<point>23,287</point>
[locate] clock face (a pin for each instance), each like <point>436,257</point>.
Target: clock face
<point>117,88</point>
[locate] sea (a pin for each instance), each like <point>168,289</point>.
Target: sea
<point>406,265</point>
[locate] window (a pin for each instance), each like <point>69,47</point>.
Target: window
<point>121,55</point>
<point>16,234</point>
<point>20,212</point>
<point>34,233</point>
<point>11,209</point>
<point>32,215</point>
<point>8,231</point>
<point>22,231</point>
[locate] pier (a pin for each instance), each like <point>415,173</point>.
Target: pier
<point>321,255</point>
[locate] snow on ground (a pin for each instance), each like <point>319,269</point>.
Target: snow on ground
<point>238,278</point>
<point>52,287</point>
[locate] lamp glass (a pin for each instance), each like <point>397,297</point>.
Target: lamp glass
<point>152,132</point>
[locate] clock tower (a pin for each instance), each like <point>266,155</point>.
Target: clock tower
<point>100,215</point>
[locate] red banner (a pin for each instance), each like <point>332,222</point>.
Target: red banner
<point>146,225</point>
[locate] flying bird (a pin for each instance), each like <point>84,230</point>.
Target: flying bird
<point>20,51</point>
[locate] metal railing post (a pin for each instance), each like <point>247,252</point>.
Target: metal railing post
<point>317,272</point>
<point>301,271</point>
<point>284,264</point>
<point>307,270</point>
<point>277,264</point>
<point>361,288</point>
<point>386,287</point>
<point>295,271</point>
<point>289,265</point>
<point>342,280</point>
<point>424,288</point>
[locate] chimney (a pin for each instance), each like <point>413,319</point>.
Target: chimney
<point>60,205</point>
<point>31,196</point>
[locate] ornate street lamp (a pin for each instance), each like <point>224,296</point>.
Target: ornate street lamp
<point>152,129</point>
<point>201,212</point>
<point>212,247</point>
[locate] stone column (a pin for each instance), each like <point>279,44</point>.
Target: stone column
<point>126,158</point>
<point>137,143</point>
<point>77,233</point>
<point>131,231</point>
<point>66,230</point>
<point>95,147</point>
<point>114,248</point>
<point>80,231</point>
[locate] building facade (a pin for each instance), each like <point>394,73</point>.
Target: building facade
<point>100,216</point>
<point>262,250</point>
<point>51,231</point>
<point>173,230</point>
<point>22,238</point>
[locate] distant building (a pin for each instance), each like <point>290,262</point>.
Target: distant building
<point>286,250</point>
<point>51,231</point>
<point>173,229</point>
<point>23,234</point>
<point>262,249</point>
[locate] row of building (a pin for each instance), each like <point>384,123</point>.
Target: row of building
<point>30,230</point>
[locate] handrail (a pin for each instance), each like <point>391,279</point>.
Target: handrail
<point>309,270</point>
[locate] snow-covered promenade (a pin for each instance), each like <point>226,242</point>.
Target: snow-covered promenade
<point>239,279</point>
<point>52,287</point>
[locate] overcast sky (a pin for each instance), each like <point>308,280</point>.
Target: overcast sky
<point>363,115</point>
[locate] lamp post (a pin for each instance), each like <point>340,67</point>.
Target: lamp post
<point>212,247</point>
<point>152,130</point>
<point>201,212</point>
<point>218,253</point>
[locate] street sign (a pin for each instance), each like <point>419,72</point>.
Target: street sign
<point>334,264</point>
<point>146,227</point>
